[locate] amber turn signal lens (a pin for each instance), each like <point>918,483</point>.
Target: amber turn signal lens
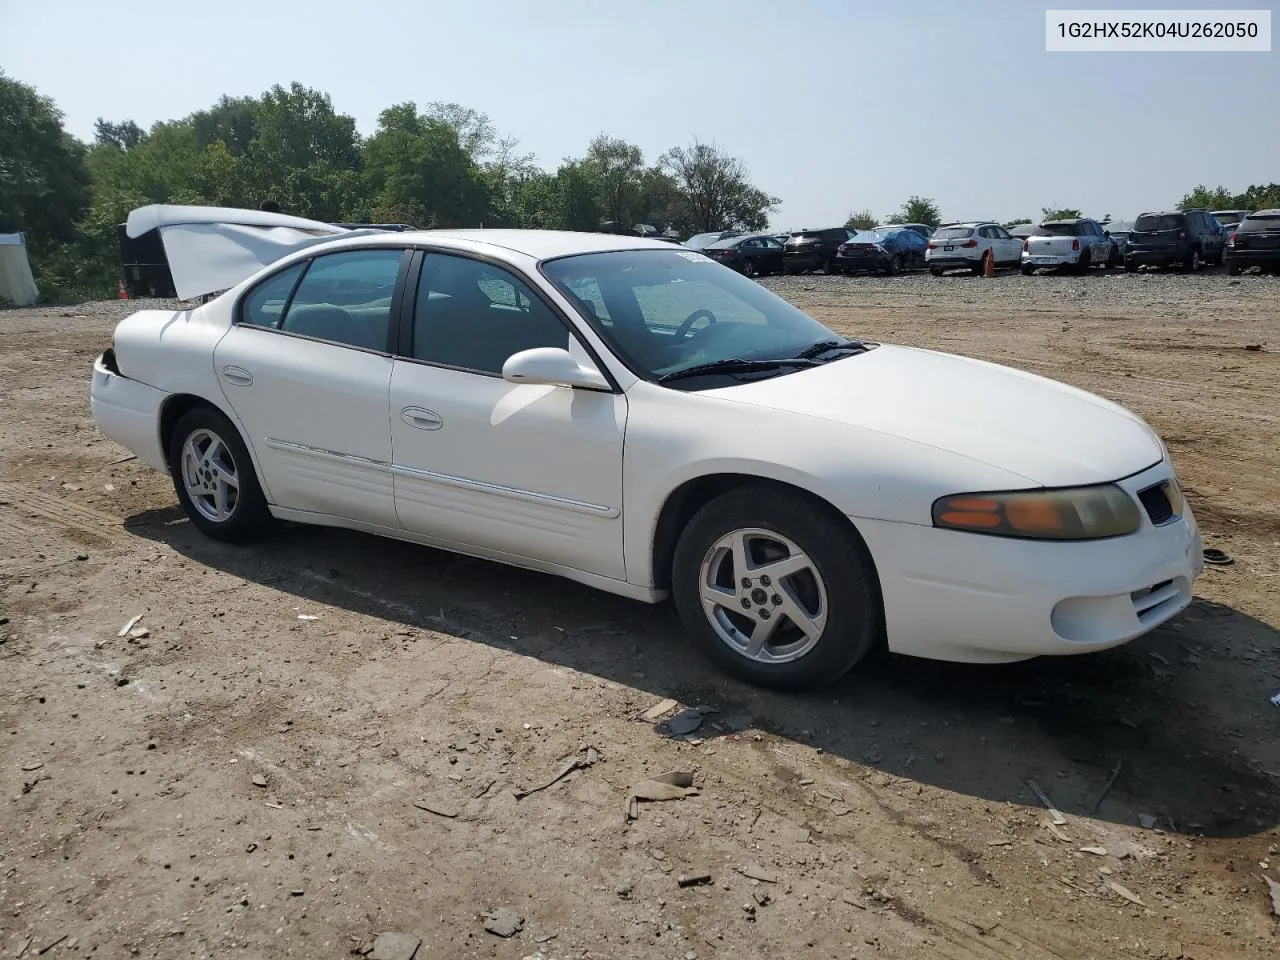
<point>1072,513</point>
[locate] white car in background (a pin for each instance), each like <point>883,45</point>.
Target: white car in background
<point>641,419</point>
<point>1075,245</point>
<point>968,245</point>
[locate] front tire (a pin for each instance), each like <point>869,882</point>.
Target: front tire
<point>214,478</point>
<point>773,591</point>
<point>749,267</point>
<point>1192,263</point>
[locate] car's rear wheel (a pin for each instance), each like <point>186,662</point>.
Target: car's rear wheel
<point>1234,269</point>
<point>214,478</point>
<point>1130,266</point>
<point>935,271</point>
<point>773,591</point>
<point>1028,271</point>
<point>749,267</point>
<point>896,264</point>
<point>1192,263</point>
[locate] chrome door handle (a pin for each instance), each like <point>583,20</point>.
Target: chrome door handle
<point>237,375</point>
<point>420,418</point>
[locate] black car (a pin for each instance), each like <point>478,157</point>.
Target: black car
<point>1177,238</point>
<point>814,249</point>
<point>1118,230</point>
<point>755,255</point>
<point>1256,243</point>
<point>864,250</point>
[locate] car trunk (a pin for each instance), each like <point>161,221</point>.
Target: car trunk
<point>1157,233</point>
<point>1052,245</point>
<point>1267,238</point>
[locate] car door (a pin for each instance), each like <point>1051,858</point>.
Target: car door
<point>521,470</point>
<point>1004,246</point>
<point>306,368</point>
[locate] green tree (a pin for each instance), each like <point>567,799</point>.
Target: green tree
<point>918,210</point>
<point>1218,198</point>
<point>415,167</point>
<point>477,135</point>
<point>717,189</point>
<point>576,206</point>
<point>125,135</point>
<point>862,219</point>
<point>1258,197</point>
<point>1065,213</point>
<point>614,168</point>
<point>44,182</point>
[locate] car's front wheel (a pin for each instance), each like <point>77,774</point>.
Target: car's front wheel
<point>773,591</point>
<point>214,477</point>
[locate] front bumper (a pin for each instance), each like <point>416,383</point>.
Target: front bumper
<point>950,595</point>
<point>128,413</point>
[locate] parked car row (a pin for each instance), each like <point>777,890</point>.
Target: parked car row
<point>1181,239</point>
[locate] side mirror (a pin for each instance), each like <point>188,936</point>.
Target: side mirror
<point>551,366</point>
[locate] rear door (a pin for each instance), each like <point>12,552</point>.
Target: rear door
<point>306,367</point>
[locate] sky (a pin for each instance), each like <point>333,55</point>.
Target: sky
<point>834,105</point>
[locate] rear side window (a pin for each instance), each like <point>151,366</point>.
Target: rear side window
<point>1152,222</point>
<point>1260,223</point>
<point>346,298</point>
<point>264,306</point>
<point>953,233</point>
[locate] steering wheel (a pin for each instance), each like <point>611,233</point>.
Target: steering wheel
<point>682,331</point>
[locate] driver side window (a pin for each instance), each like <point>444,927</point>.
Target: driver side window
<point>473,316</point>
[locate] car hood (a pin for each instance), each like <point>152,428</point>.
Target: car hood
<point>1048,432</point>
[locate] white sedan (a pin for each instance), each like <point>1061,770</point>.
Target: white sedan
<point>639,418</point>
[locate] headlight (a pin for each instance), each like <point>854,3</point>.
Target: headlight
<point>1075,513</point>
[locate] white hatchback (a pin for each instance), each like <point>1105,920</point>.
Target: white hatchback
<point>968,246</point>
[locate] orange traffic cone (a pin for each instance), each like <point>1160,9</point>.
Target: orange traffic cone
<point>121,293</point>
<point>989,264</point>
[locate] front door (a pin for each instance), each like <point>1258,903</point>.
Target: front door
<point>306,369</point>
<point>528,471</point>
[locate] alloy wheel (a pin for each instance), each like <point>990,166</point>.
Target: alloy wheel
<point>763,596</point>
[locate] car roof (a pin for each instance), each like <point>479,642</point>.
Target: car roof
<point>1269,212</point>
<point>968,223</point>
<point>538,244</point>
<point>1064,222</point>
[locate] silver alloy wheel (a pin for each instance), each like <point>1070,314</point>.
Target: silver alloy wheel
<point>1195,261</point>
<point>209,475</point>
<point>763,597</point>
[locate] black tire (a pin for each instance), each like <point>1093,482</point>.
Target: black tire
<point>1192,262</point>
<point>749,267</point>
<point>1084,263</point>
<point>1234,270</point>
<point>248,517</point>
<point>844,574</point>
<point>1130,266</point>
<point>896,264</point>
<point>935,271</point>
<point>1028,271</point>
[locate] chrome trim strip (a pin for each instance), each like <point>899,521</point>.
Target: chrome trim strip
<point>528,496</point>
<point>327,454</point>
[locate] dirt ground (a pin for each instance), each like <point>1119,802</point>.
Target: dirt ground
<point>318,739</point>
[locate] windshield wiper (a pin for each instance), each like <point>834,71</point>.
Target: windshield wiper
<point>736,365</point>
<point>824,346</point>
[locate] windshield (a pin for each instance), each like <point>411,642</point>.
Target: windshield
<point>665,311</point>
<point>953,233</point>
<point>702,240</point>
<point>1159,221</point>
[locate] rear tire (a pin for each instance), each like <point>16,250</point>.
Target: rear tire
<point>1130,267</point>
<point>1085,261</point>
<point>935,271</point>
<point>214,478</point>
<point>810,624</point>
<point>1234,270</point>
<point>1028,271</point>
<point>1192,263</point>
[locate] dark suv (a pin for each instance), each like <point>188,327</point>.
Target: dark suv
<point>813,249</point>
<point>1179,238</point>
